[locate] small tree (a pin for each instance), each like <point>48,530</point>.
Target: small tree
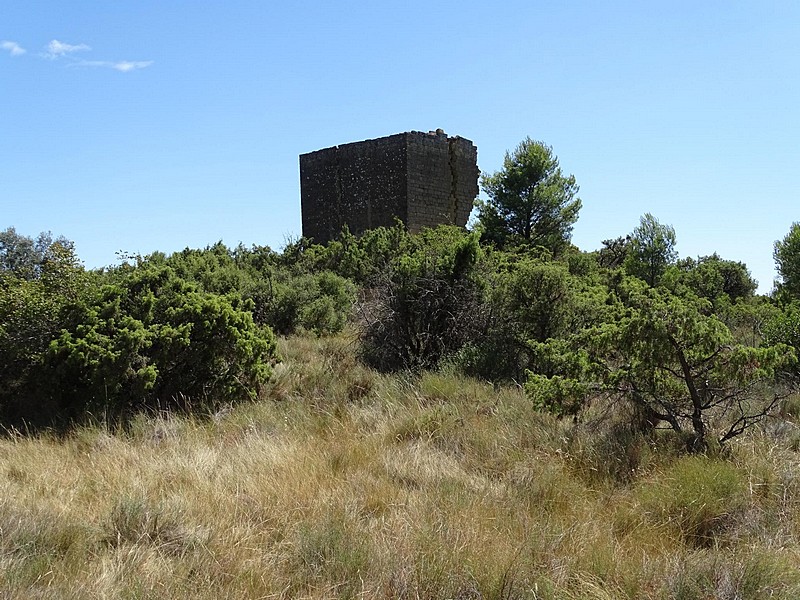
<point>714,278</point>
<point>38,279</point>
<point>530,200</point>
<point>669,359</point>
<point>613,252</point>
<point>787,260</point>
<point>26,258</point>
<point>651,250</point>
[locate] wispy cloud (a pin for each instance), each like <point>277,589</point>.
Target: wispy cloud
<point>131,65</point>
<point>124,65</point>
<point>56,49</point>
<point>66,54</point>
<point>13,48</point>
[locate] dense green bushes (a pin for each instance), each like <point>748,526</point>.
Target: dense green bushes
<point>784,328</point>
<point>74,343</point>
<point>289,295</point>
<point>151,340</point>
<point>691,347</point>
<point>190,330</point>
<point>665,354</point>
<point>427,304</point>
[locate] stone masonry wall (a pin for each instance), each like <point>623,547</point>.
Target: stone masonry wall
<point>361,184</point>
<point>424,179</point>
<point>442,179</point>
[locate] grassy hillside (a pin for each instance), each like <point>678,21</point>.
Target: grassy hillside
<point>344,483</point>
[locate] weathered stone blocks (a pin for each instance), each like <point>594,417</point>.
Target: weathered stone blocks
<point>423,179</point>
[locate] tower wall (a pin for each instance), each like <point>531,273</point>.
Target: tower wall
<point>423,179</point>
<point>442,179</point>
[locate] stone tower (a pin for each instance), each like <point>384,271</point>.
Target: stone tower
<point>423,179</point>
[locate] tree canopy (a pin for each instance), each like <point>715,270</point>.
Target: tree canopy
<point>26,257</point>
<point>530,200</point>
<point>651,250</point>
<point>787,260</point>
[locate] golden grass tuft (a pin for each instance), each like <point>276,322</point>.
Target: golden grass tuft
<point>344,483</point>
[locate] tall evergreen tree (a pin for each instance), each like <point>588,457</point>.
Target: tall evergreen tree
<point>787,260</point>
<point>530,200</point>
<point>651,250</point>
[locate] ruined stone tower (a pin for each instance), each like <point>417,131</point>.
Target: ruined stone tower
<point>424,179</point>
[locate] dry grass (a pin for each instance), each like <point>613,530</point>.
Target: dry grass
<point>342,483</point>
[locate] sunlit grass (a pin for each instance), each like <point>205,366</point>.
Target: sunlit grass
<point>343,483</point>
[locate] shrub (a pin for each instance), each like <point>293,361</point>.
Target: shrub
<point>289,292</point>
<point>784,328</point>
<point>531,300</point>
<point>664,355</point>
<point>148,340</point>
<point>33,298</point>
<point>427,305</point>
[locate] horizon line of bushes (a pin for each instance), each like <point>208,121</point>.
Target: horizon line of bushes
<point>195,330</point>
<point>683,343</point>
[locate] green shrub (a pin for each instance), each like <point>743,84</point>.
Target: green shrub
<point>289,292</point>
<point>153,341</point>
<point>784,328</point>
<point>33,302</point>
<point>327,309</point>
<point>148,340</point>
<point>556,394</point>
<point>427,305</point>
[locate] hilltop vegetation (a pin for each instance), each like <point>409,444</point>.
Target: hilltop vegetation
<point>682,343</point>
<point>475,414</point>
<point>445,419</point>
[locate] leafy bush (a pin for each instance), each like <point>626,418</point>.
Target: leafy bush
<point>784,328</point>
<point>712,277</point>
<point>663,354</point>
<point>359,259</point>
<point>146,340</point>
<point>289,292</point>
<point>556,394</point>
<point>318,302</point>
<point>29,259</point>
<point>531,300</point>
<point>427,305</point>
<point>33,295</point>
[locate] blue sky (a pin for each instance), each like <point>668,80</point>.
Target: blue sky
<point>156,125</point>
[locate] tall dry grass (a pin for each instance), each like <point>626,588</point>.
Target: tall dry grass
<point>343,483</point>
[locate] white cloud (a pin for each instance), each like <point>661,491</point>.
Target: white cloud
<point>56,49</point>
<point>61,50</point>
<point>131,65</point>
<point>124,65</point>
<point>13,47</point>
